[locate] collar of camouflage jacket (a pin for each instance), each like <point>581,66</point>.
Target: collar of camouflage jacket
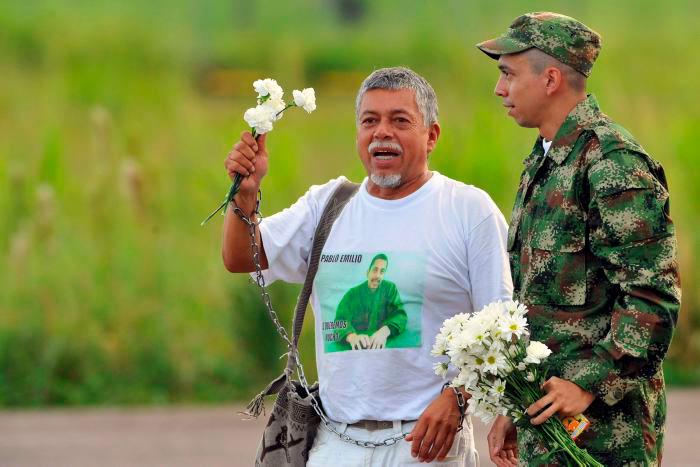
<point>581,117</point>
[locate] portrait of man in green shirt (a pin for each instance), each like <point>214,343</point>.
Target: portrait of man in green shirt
<point>372,311</point>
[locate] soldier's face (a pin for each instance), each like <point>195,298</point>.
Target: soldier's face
<point>376,272</point>
<point>392,141</point>
<point>522,90</point>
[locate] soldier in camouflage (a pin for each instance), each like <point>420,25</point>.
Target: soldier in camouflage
<point>592,251</point>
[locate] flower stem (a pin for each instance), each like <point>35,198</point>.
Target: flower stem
<point>236,185</point>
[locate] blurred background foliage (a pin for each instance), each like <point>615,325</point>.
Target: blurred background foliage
<point>116,116</point>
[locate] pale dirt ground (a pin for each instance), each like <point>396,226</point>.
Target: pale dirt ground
<point>214,436</point>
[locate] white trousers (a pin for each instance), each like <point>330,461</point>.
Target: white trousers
<point>330,450</point>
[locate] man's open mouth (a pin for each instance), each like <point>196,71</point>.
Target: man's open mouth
<point>385,155</point>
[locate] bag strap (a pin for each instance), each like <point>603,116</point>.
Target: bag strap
<point>335,205</point>
<point>338,199</point>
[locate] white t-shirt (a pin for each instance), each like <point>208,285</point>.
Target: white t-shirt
<point>445,253</point>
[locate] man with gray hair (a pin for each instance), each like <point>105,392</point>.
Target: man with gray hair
<point>447,244</point>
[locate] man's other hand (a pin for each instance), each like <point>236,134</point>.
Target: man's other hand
<point>358,341</point>
<point>563,398</point>
<point>378,339</point>
<point>503,442</point>
<point>435,431</point>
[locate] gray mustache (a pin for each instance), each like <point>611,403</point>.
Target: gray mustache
<point>384,145</point>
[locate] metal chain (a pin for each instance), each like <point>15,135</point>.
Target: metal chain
<point>293,352</point>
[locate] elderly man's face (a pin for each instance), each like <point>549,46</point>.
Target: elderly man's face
<point>522,90</point>
<point>376,272</point>
<point>392,140</point>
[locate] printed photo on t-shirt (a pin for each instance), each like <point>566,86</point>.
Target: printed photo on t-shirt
<point>370,300</point>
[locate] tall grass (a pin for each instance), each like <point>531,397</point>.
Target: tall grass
<point>116,117</point>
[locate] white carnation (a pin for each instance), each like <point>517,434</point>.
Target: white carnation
<point>305,98</point>
<point>260,118</point>
<point>275,106</point>
<point>268,87</point>
<point>536,352</point>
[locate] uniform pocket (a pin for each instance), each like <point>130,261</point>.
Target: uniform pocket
<point>556,275</point>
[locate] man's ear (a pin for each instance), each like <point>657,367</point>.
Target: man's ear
<point>553,79</point>
<point>433,135</point>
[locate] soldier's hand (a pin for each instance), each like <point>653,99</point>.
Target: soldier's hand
<point>378,339</point>
<point>248,158</point>
<point>563,398</point>
<point>435,431</point>
<point>503,442</point>
<point>358,341</point>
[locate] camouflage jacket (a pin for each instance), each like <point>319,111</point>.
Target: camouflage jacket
<point>593,255</point>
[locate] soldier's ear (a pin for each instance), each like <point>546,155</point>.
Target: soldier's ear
<point>553,79</point>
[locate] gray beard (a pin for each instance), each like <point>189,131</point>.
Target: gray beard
<point>386,181</point>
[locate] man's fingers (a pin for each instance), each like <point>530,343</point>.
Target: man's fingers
<point>242,150</point>
<point>501,460</point>
<point>548,412</point>
<point>540,404</point>
<point>495,441</point>
<point>512,457</point>
<point>446,445</point>
<point>417,436</point>
<point>235,167</point>
<point>248,164</point>
<point>437,444</point>
<point>247,138</point>
<point>427,442</point>
<point>364,340</point>
<point>495,449</point>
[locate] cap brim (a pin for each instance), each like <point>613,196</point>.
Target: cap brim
<point>503,45</point>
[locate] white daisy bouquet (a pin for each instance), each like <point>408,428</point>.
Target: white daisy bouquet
<point>503,370</point>
<point>269,109</point>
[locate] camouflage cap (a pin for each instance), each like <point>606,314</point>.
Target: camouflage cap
<point>564,38</point>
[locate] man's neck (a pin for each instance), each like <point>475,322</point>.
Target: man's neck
<point>558,112</point>
<point>401,191</point>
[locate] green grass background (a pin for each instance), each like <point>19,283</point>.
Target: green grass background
<point>116,117</point>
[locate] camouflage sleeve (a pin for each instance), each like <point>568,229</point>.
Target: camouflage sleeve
<point>632,234</point>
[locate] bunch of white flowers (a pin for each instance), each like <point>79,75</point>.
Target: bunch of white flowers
<point>271,105</point>
<point>493,358</point>
<point>270,108</point>
<point>485,348</point>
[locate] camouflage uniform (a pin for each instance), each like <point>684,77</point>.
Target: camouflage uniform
<point>593,255</point>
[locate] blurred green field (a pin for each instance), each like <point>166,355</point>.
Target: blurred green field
<point>115,119</point>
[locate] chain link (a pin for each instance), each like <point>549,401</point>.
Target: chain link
<point>293,352</point>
